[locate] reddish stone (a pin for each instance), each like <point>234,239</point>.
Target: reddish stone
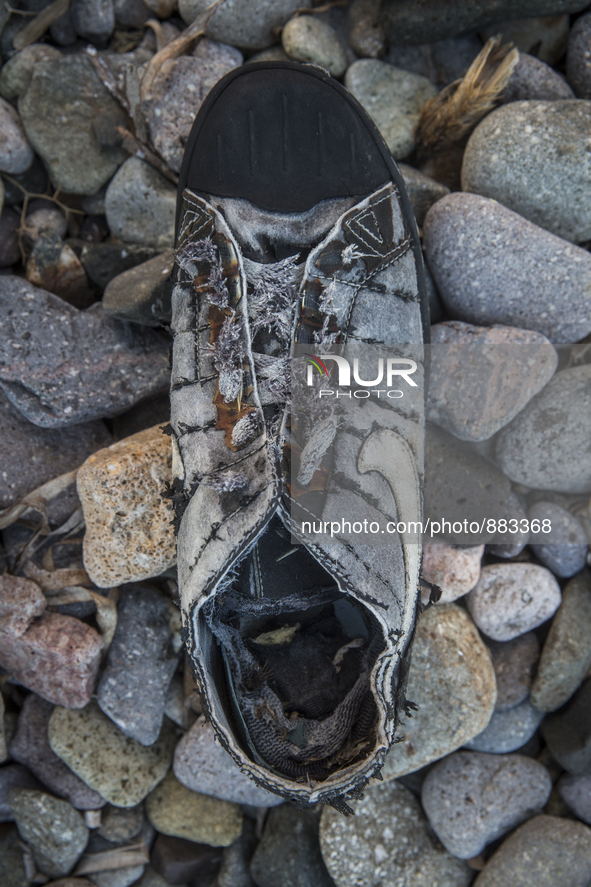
<point>20,602</point>
<point>58,657</point>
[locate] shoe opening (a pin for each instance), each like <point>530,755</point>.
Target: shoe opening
<point>297,671</point>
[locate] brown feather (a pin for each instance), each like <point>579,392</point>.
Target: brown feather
<point>448,118</point>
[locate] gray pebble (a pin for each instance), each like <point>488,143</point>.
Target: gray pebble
<point>388,841</point>
<point>235,23</point>
<point>547,445</point>
<point>544,36</point>
<point>532,157</point>
<point>14,776</point>
<point>202,765</point>
<point>568,732</point>
<point>104,261</point>
<point>62,30</point>
<point>120,824</point>
<point>472,799</point>
<point>33,455</point>
<point>508,730</point>
<point>533,80</point>
<point>16,155</point>
<point>563,550</point>
<point>546,851</point>
<point>576,792</point>
<point>481,377</point>
<point>131,13</point>
<point>461,485</point>
<point>510,544</point>
<point>94,20</point>
<point>452,681</point>
<point>435,19</point>
<point>16,73</point>
<point>12,869</point>
<point>140,664</point>
<point>55,832</point>
<point>44,221</point>
<point>140,206</point>
<point>514,663</point>
<point>122,877</point>
<point>392,98</point>
<point>422,190</point>
<point>519,274</point>
<point>90,366</point>
<point>442,61</point>
<point>578,57</point>
<point>566,655</point>
<point>309,40</point>
<point>31,747</point>
<point>510,599</point>
<point>178,92</point>
<point>288,852</point>
<point>9,248</point>
<point>68,89</point>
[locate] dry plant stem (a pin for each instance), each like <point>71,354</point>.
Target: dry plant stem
<point>37,499</point>
<point>155,25</point>
<point>132,854</point>
<point>139,149</point>
<point>29,195</point>
<point>176,47</point>
<point>107,78</point>
<point>39,25</point>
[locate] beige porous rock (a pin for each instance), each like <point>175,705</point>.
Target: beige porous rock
<point>454,569</point>
<point>129,535</point>
<point>452,683</point>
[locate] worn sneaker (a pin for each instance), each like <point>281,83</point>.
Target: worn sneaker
<point>294,232</point>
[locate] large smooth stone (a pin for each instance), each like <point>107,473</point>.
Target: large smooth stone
<point>481,377</point>
<point>55,831</point>
<point>387,842</point>
<point>408,23</point>
<point>393,99</point>
<point>493,266</point>
<point>566,655</point>
<point>472,799</point>
<point>547,445</point>
<point>204,766</point>
<point>546,851</point>
<point>60,110</point>
<point>60,366</point>
<point>532,157</point>
<point>452,681</point>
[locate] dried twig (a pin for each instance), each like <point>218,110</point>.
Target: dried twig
<point>107,78</point>
<point>137,148</point>
<point>176,47</point>
<point>37,499</point>
<point>450,116</point>
<point>28,196</point>
<point>39,25</point>
<point>132,854</point>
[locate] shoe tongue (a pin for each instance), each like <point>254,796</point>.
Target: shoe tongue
<point>265,236</point>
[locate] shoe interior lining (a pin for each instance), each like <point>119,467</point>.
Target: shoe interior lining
<point>297,674</point>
